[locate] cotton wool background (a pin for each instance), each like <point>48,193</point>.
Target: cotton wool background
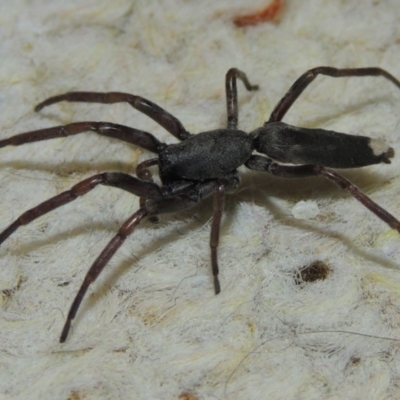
<point>151,326</point>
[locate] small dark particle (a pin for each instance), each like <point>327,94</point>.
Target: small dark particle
<point>187,396</point>
<point>316,271</point>
<point>355,360</point>
<point>75,396</point>
<point>7,293</point>
<point>66,283</point>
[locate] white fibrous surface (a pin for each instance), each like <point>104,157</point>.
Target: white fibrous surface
<point>151,326</point>
<point>305,209</point>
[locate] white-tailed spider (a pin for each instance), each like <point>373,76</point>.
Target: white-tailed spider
<point>205,164</point>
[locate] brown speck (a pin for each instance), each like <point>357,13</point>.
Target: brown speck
<point>315,271</point>
<point>187,396</point>
<point>271,13</point>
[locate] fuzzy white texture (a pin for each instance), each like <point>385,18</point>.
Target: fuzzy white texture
<point>151,327</point>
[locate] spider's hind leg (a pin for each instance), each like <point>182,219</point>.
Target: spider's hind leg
<point>301,83</point>
<point>260,163</point>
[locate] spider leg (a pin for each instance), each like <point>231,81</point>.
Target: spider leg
<point>231,94</point>
<point>141,170</point>
<point>143,173</point>
<point>152,207</point>
<point>219,200</point>
<point>301,83</point>
<point>193,194</point>
<point>101,261</point>
<point>260,163</point>
<point>115,179</point>
<point>152,110</point>
<point>134,136</point>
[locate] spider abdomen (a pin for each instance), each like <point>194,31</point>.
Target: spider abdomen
<point>291,144</point>
<point>207,155</point>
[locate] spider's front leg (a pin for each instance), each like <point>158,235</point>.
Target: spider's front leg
<point>134,136</point>
<point>147,107</point>
<point>298,87</point>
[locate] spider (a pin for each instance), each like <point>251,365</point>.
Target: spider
<point>205,164</point>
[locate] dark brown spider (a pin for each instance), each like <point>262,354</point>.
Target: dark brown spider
<point>206,164</point>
